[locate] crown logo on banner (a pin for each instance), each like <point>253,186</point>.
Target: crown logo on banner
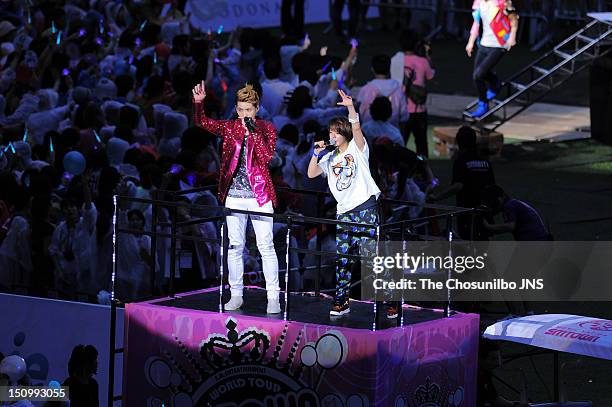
<point>244,367</point>
<point>427,394</point>
<point>237,343</point>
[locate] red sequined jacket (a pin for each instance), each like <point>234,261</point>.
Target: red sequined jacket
<point>260,150</point>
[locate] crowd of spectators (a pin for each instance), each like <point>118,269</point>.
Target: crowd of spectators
<point>106,86</point>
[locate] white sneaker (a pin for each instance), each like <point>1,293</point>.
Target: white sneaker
<point>233,304</point>
<point>273,306</point>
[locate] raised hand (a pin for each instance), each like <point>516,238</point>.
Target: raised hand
<point>346,99</point>
<point>199,92</point>
<point>319,147</point>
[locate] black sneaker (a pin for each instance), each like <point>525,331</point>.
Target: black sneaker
<point>340,308</point>
<point>392,312</point>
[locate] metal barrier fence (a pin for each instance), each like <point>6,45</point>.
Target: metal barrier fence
<point>170,230</point>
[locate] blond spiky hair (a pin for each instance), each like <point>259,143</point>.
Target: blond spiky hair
<point>248,94</point>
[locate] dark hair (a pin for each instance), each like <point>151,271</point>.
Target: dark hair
<point>381,109</point>
<point>290,133</point>
<point>491,196</point>
<point>311,126</point>
<point>154,87</point>
<point>299,62</point>
<point>182,82</point>
<point>272,68</point>
<point>300,99</point>
<point>128,117</point>
<point>381,64</point>
<point>21,200</point>
<point>309,74</point>
<point>247,39</point>
<point>196,139</point>
<point>68,202</point>
<point>342,126</point>
<point>138,213</point>
<point>466,138</point>
<point>82,360</point>
<point>180,44</point>
<point>187,159</point>
<point>132,156</point>
<point>125,84</point>
<point>409,40</point>
<point>93,118</point>
<point>150,33</point>
<point>406,162</point>
<point>126,39</point>
<point>150,175</point>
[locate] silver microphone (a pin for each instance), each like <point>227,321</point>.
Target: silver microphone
<point>328,143</point>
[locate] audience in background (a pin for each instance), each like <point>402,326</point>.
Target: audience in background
<point>110,82</point>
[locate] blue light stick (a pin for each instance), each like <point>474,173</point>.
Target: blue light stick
<point>29,18</point>
<point>334,77</point>
<point>58,41</point>
<point>12,148</point>
<point>53,29</point>
<point>101,25</point>
<point>51,144</point>
<point>143,25</point>
<point>97,137</point>
<point>155,57</point>
<point>220,29</point>
<point>25,134</point>
<point>326,66</point>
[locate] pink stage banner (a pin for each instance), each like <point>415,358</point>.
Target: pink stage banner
<point>181,357</point>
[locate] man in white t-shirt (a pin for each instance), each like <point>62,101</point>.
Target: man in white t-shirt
<point>349,179</point>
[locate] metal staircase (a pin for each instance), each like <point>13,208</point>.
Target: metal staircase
<point>533,82</point>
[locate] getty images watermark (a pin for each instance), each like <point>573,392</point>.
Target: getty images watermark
<point>489,271</point>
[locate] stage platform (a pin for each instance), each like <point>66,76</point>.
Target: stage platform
<point>303,308</point>
<point>540,122</point>
<point>183,352</point>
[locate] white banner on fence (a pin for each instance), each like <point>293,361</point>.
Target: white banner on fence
<point>45,331</point>
<point>254,13</point>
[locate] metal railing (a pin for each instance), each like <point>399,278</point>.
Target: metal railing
<point>403,228</point>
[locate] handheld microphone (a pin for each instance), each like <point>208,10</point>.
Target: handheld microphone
<point>250,124</point>
<point>328,143</point>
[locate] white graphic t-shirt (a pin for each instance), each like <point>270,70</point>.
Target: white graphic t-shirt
<point>348,176</point>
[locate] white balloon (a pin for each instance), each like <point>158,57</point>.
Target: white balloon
<point>332,400</point>
<point>329,351</point>
<point>159,373</point>
<point>308,355</point>
<point>182,400</point>
<point>356,401</point>
<point>14,367</point>
<point>458,398</point>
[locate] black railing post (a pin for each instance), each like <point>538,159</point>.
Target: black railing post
<point>173,233</point>
<point>288,267</point>
<point>153,257</point>
<point>449,225</point>
<point>319,237</point>
<point>113,310</point>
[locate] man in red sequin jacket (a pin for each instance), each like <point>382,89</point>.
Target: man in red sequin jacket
<point>245,184</point>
